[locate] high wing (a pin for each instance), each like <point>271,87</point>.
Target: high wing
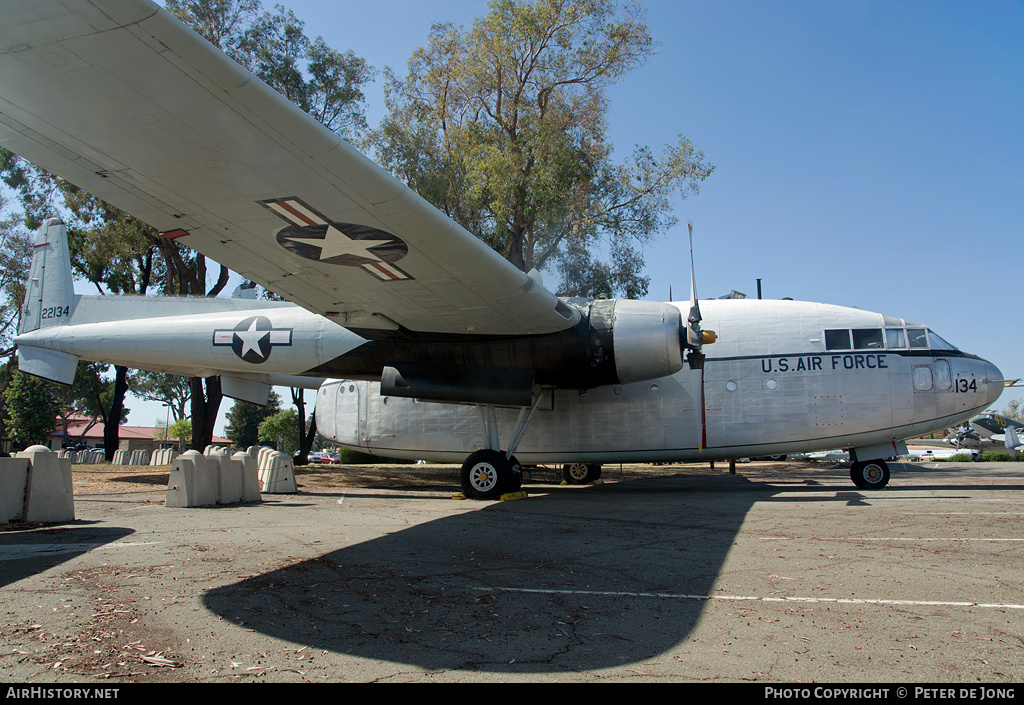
<point>122,100</point>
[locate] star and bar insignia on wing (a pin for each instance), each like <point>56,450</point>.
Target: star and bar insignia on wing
<point>311,235</point>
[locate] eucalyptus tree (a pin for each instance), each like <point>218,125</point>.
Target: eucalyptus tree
<point>504,127</point>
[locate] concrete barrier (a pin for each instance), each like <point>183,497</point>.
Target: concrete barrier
<point>228,474</point>
<point>191,482</point>
<point>140,457</point>
<point>164,456</point>
<point>121,457</point>
<point>13,484</point>
<point>35,485</point>
<point>250,477</point>
<point>277,476</point>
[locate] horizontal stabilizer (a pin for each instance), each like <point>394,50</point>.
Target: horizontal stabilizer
<point>1012,441</point>
<point>245,390</point>
<point>48,364</point>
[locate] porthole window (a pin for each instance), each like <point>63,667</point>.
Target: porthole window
<point>730,386</point>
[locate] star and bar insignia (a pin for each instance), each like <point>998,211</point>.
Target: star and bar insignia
<point>253,339</point>
<point>311,235</point>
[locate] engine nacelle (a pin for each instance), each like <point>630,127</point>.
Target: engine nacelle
<point>645,337</point>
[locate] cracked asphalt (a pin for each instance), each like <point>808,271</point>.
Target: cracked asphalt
<point>782,572</point>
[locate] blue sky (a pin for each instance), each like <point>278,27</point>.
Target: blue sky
<point>868,152</point>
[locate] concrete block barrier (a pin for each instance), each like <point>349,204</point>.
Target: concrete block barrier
<point>36,486</point>
<point>164,456</point>
<point>13,484</point>
<point>191,482</point>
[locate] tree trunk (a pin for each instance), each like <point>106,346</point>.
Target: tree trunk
<point>205,404</point>
<point>305,437</point>
<point>112,421</point>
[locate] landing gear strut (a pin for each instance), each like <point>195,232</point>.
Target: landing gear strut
<point>490,473</point>
<point>870,474</point>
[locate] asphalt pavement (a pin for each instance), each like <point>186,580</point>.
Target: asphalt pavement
<point>781,573</point>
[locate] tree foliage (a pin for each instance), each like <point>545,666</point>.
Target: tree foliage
<point>243,421</point>
<point>503,126</point>
<point>1015,409</point>
<point>32,407</point>
<point>281,431</point>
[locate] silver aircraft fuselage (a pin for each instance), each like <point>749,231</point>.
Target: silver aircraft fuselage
<point>779,380</point>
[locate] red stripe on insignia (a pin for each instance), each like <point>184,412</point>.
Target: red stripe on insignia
<point>297,213</point>
<point>384,270</point>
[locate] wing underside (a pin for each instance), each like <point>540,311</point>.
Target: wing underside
<point>123,101</point>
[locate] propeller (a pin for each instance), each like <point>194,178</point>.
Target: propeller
<point>695,339</point>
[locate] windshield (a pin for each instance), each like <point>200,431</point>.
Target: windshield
<point>938,343</point>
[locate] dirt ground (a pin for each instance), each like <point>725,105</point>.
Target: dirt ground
<point>119,479</point>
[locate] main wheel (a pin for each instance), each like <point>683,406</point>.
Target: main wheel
<point>581,473</point>
<point>870,474</point>
<point>487,474</point>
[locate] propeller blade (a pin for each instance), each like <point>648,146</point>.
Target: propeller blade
<point>695,341</point>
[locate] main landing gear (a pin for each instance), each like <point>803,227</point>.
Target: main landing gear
<point>490,473</point>
<point>870,474</point>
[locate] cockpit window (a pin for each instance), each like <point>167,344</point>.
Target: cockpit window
<point>918,337</point>
<point>867,338</point>
<point>894,338</point>
<point>938,343</point>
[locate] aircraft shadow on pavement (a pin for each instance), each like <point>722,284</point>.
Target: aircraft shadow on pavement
<point>24,554</point>
<point>573,579</point>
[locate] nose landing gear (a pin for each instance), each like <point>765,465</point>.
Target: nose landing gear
<point>870,474</point>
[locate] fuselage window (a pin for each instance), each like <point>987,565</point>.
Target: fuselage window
<point>867,338</point>
<point>918,337</point>
<point>923,378</point>
<point>943,375</point>
<point>894,338</point>
<point>837,339</point>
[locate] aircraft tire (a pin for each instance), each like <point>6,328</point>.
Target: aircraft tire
<point>487,474</point>
<point>581,473</point>
<point>870,474</point>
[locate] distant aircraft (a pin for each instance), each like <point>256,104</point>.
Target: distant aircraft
<point>994,427</point>
<point>431,344</point>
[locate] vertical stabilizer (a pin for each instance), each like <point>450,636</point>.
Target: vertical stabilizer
<point>49,292</point>
<point>49,301</point>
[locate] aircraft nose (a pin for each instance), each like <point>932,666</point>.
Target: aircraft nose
<point>995,381</point>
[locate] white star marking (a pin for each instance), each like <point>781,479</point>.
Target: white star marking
<point>336,243</point>
<point>251,338</point>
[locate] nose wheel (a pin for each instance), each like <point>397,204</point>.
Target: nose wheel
<point>581,473</point>
<point>870,474</point>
